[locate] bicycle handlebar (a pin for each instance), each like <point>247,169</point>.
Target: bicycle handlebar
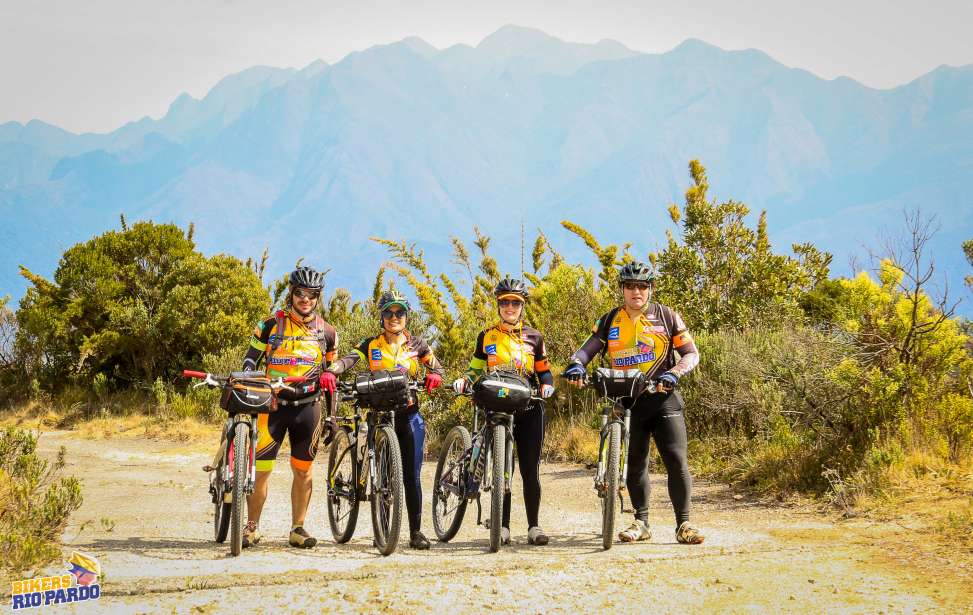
<point>212,380</point>
<point>656,386</point>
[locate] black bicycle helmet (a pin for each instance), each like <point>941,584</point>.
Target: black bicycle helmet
<point>306,277</point>
<point>390,298</point>
<point>636,272</point>
<point>511,286</point>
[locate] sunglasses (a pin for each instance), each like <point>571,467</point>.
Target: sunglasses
<point>510,303</point>
<point>301,293</point>
<point>635,286</point>
<point>390,314</point>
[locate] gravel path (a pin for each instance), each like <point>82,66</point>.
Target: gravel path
<point>156,550</point>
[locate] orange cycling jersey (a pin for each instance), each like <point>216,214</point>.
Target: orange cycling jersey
<point>292,346</point>
<point>405,357</point>
<point>646,344</point>
<point>520,349</point>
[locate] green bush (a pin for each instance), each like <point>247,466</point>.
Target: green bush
<point>36,504</point>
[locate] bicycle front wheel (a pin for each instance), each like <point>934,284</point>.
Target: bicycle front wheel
<point>498,450</point>
<point>448,491</point>
<point>387,491</point>
<point>241,469</point>
<point>342,487</point>
<point>609,497</point>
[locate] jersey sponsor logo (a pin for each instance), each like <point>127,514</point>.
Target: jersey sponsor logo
<point>645,357</point>
<point>376,354</point>
<point>491,349</point>
<point>291,361</point>
<point>613,333</point>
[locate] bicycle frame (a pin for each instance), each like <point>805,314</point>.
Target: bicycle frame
<point>231,424</point>
<point>365,462</point>
<point>485,434</point>
<point>613,412</point>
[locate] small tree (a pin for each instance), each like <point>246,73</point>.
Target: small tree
<point>135,305</point>
<point>723,274</point>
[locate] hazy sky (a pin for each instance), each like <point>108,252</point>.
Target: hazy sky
<point>93,65</point>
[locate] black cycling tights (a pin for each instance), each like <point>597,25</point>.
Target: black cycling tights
<point>660,417</point>
<point>529,439</point>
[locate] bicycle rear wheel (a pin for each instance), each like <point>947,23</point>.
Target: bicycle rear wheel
<point>342,487</point>
<point>609,497</point>
<point>387,491</point>
<point>498,450</point>
<point>241,468</point>
<point>448,491</point>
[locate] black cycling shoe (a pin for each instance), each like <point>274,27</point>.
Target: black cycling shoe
<point>418,541</point>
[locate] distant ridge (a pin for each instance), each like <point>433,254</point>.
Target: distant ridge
<point>409,141</point>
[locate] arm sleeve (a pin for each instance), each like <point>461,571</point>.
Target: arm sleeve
<point>542,368</point>
<point>258,345</point>
<point>427,358</point>
<point>595,342</point>
<point>331,346</point>
<point>349,360</point>
<point>478,363</point>
<point>682,342</point>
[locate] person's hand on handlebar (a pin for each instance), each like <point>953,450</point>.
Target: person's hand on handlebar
<point>460,385</point>
<point>547,390</point>
<point>433,381</point>
<point>668,381</point>
<point>329,382</point>
<point>575,373</point>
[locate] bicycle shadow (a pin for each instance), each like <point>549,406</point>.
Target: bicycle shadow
<point>576,543</point>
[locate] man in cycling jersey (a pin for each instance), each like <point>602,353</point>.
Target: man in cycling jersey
<point>647,336</point>
<point>295,341</point>
<point>395,348</point>
<point>511,345</point>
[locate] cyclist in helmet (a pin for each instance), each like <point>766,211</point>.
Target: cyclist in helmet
<point>396,348</point>
<point>645,335</point>
<point>295,341</point>
<point>511,345</point>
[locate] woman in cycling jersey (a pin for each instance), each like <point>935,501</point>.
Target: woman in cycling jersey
<point>646,336</point>
<point>510,345</point>
<point>396,348</point>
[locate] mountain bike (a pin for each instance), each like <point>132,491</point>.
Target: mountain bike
<point>364,460</point>
<point>618,389</point>
<point>484,462</point>
<point>245,395</point>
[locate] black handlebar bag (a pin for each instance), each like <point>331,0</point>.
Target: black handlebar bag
<point>618,383</point>
<point>248,393</point>
<point>383,389</point>
<point>502,391</point>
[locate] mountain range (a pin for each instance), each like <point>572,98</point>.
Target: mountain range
<point>411,142</point>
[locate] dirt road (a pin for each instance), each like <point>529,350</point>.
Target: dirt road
<point>156,550</point>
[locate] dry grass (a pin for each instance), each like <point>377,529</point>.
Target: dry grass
<point>573,442</point>
<point>104,426</point>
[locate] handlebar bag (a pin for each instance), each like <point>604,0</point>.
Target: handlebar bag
<point>382,389</point>
<point>617,383</point>
<point>249,395</point>
<point>502,391</point>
